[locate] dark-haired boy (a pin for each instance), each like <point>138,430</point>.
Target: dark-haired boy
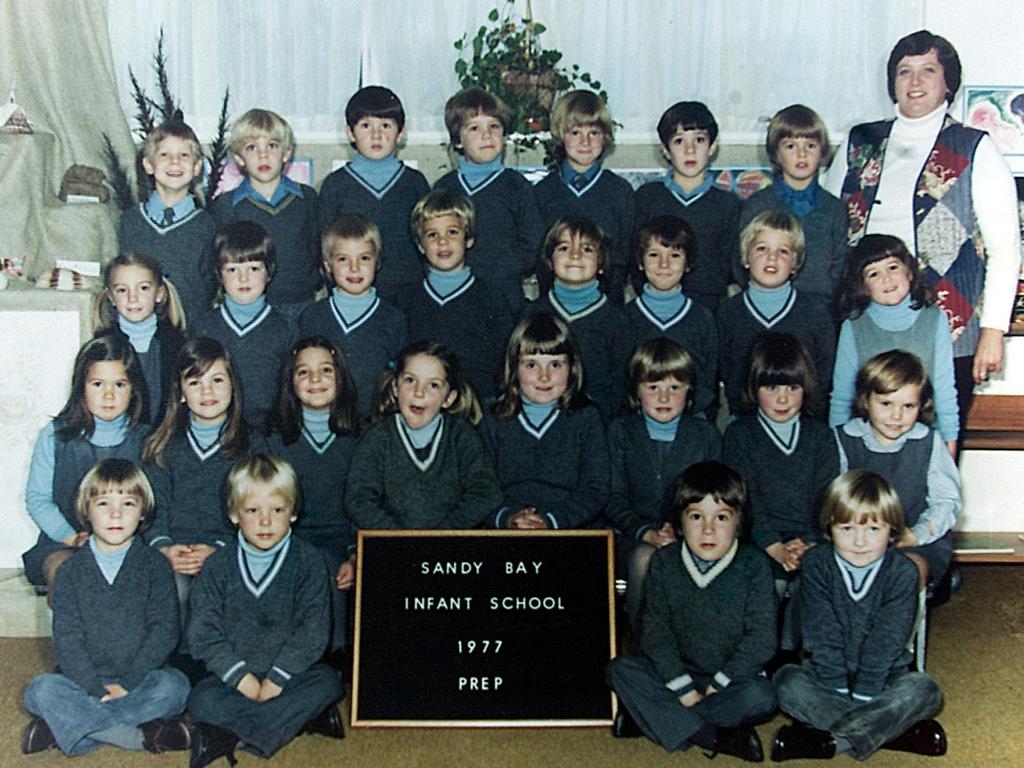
<point>688,134</point>
<point>708,628</point>
<point>169,225</point>
<point>376,184</point>
<point>508,221</point>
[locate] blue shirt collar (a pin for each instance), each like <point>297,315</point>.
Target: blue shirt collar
<point>376,173</point>
<point>799,201</point>
<point>537,413</point>
<point>284,188</point>
<point>569,174</point>
<point>663,432</point>
<point>243,314</point>
<point>139,334</point>
<point>446,283</point>
<point>474,173</point>
<point>155,207</point>
<point>669,181</point>
<point>107,433</point>
<point>577,298</point>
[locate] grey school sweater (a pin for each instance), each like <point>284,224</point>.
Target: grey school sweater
<point>114,633</point>
<point>450,484</point>
<point>721,632</point>
<point>273,629</point>
<point>856,644</point>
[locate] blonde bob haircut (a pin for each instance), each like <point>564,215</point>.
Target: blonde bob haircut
<point>577,108</point>
<point>656,360</point>
<point>780,221</point>
<point>261,122</point>
<point>440,203</point>
<point>111,474</point>
<point>860,496</point>
<point>264,471</point>
<point>889,371</point>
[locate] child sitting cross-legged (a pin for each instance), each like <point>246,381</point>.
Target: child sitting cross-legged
<point>115,622</point>
<point>857,604</point>
<point>260,622</point>
<point>708,628</point>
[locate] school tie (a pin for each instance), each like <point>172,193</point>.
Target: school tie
<point>579,182</point>
<point>168,216</point>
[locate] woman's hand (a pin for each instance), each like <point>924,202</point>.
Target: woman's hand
<point>988,357</point>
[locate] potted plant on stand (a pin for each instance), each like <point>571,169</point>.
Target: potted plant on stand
<point>506,58</point>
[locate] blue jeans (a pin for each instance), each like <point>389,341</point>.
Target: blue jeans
<point>73,713</point>
<point>907,698</point>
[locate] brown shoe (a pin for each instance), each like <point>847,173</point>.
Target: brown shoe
<point>327,723</point>
<point>37,737</point>
<point>170,735</point>
<point>925,737</point>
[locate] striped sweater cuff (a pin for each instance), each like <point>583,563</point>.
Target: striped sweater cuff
<point>681,685</point>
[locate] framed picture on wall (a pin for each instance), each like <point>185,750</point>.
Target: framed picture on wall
<point>999,110</point>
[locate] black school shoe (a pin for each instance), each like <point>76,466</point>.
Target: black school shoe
<point>741,742</point>
<point>171,734</point>
<point>800,740</point>
<point>624,726</point>
<point>925,737</point>
<point>37,737</point>
<point>211,742</point>
<point>327,723</point>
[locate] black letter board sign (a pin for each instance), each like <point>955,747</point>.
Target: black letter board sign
<point>483,628</point>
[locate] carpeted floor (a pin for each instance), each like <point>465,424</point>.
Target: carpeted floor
<point>975,650</point>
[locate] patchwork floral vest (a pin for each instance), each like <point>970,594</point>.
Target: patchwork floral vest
<point>948,244</point>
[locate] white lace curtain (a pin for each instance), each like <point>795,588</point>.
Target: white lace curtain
<point>304,58</point>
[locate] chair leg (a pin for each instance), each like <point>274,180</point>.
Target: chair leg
<point>921,630</point>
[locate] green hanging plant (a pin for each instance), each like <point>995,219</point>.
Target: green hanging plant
<point>506,58</point>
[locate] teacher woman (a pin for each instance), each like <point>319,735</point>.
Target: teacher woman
<point>945,190</point>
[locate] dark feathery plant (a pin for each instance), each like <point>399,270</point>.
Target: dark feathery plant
<point>149,113</point>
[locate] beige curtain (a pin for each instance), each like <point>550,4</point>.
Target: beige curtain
<point>57,54</point>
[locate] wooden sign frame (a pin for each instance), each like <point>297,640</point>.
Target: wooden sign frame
<point>483,629</point>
